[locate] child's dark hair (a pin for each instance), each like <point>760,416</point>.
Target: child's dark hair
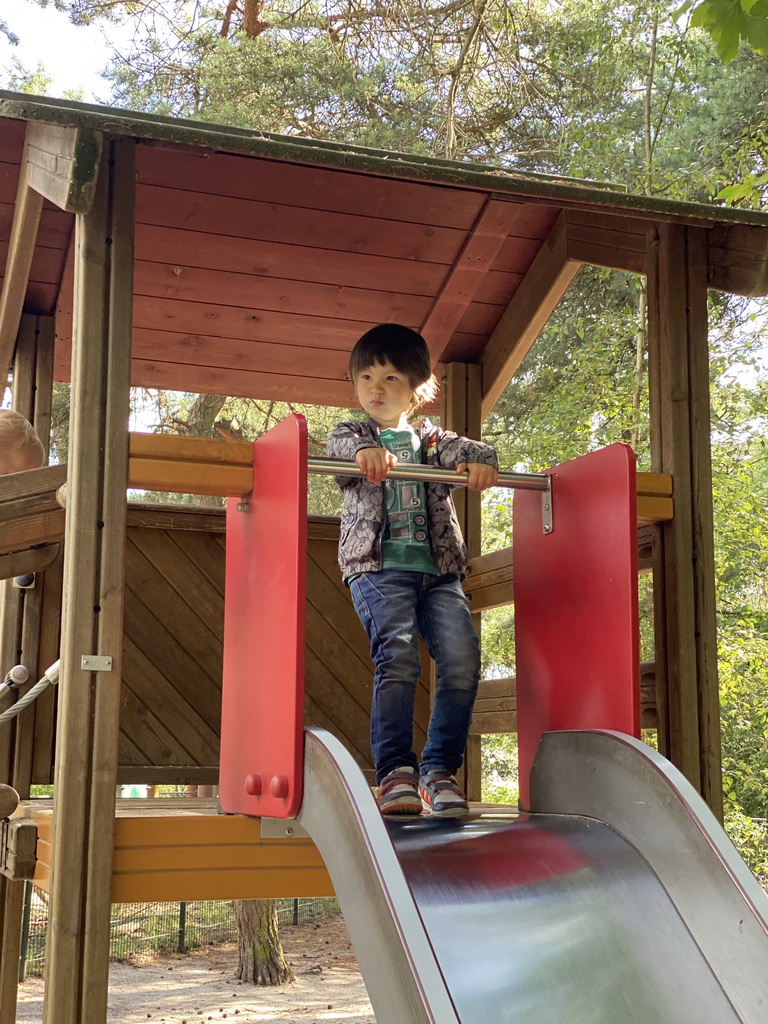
<point>405,349</point>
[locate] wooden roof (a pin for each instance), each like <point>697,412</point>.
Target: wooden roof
<point>260,259</point>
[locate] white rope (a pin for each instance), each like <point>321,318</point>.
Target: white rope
<point>51,676</point>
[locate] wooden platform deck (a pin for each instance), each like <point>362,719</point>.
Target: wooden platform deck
<point>175,849</point>
<point>182,849</point>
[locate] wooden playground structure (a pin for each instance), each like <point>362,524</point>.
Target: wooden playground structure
<point>146,251</point>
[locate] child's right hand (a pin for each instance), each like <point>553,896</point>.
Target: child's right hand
<point>375,463</point>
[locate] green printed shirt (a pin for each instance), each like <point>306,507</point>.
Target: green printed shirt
<point>405,543</point>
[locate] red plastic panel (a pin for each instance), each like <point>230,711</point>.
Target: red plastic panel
<point>577,659</point>
<point>262,716</point>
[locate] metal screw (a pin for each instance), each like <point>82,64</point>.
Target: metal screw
<point>243,506</point>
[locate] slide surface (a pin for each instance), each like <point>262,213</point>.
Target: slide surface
<point>620,901</point>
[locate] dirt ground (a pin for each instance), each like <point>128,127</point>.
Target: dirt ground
<point>200,986</point>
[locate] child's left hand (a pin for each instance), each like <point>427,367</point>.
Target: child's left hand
<point>479,475</point>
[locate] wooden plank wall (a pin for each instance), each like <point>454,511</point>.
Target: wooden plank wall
<point>174,606</point>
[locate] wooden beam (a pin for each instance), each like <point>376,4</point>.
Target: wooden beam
<point>88,699</point>
<point>494,224</point>
<point>62,164</point>
<point>29,510</point>
<point>18,842</point>
<point>29,560</point>
<point>462,413</point>
<point>168,775</point>
<point>685,620</point>
<point>496,704</point>
<point>489,584</point>
<point>736,254</point>
<point>163,462</point>
<point>737,259</point>
<point>21,249</point>
<point>20,632</point>
<point>543,287</point>
<point>620,243</point>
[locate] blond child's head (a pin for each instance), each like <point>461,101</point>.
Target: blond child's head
<point>20,447</point>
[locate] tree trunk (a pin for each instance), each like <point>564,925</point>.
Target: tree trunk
<point>259,951</point>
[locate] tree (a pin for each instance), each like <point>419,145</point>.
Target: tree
<point>260,958</point>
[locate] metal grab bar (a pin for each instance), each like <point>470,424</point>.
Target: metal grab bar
<point>431,474</point>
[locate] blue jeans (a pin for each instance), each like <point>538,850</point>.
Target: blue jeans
<point>396,608</point>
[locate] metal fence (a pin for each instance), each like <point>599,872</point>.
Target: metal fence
<point>141,931</point>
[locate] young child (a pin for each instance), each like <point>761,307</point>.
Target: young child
<point>402,554</point>
<point>20,447</point>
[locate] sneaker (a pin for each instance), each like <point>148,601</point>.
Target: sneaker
<point>441,796</point>
<point>399,792</point>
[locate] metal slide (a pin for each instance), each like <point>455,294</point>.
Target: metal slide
<point>620,901</point>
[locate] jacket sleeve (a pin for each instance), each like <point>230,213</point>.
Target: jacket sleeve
<point>452,450</point>
<point>344,442</point>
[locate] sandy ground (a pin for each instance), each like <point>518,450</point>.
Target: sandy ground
<point>200,986</point>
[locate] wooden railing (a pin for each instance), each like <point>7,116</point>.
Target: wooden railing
<point>30,514</point>
<point>496,704</point>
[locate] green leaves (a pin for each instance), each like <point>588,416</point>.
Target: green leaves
<point>729,22</point>
<point>749,188</point>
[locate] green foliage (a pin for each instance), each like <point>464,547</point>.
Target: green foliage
<point>19,79</point>
<point>751,840</point>
<point>730,22</point>
<point>749,188</point>
<point>500,779</point>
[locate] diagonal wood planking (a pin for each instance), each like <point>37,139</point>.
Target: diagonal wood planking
<point>173,649</point>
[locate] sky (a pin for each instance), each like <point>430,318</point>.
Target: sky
<point>71,56</point>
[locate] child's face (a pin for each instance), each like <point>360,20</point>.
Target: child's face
<point>385,393</point>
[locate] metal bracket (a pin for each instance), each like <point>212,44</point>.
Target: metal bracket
<point>546,507</point>
<point>282,828</point>
<point>96,662</point>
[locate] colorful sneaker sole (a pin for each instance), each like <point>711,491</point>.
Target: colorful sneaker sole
<point>442,798</point>
<point>400,806</point>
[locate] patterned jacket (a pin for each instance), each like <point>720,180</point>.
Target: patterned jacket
<point>364,512</point>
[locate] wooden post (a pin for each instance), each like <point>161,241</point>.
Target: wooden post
<point>462,412</point>
<point>33,388</point>
<point>20,639</point>
<point>686,629</point>
<point>89,698</point>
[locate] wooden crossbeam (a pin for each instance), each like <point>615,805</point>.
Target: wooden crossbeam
<point>36,559</point>
<point>489,584</point>
<point>620,243</point>
<point>190,465</point>
<point>193,465</point>
<point>496,703</point>
<point>21,249</point>
<point>18,840</point>
<point>737,259</point>
<point>494,224</point>
<point>543,287</point>
<point>736,254</point>
<point>62,164</point>
<point>29,511</point>
<point>59,163</point>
